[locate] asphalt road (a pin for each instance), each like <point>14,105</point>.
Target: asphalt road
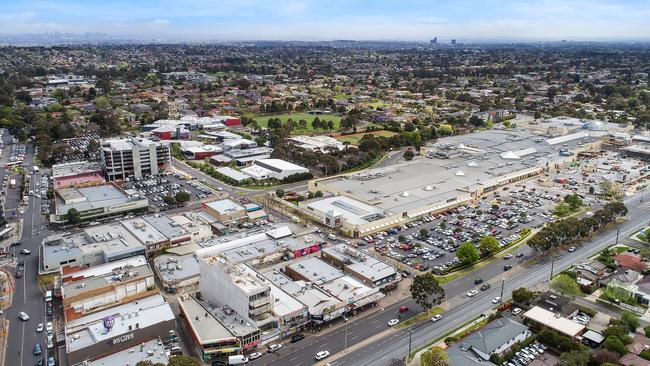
<point>27,295</point>
<point>393,344</point>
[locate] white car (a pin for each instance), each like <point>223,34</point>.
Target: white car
<point>496,300</point>
<point>23,316</point>
<point>274,347</point>
<point>393,322</point>
<point>516,311</point>
<point>572,249</point>
<point>436,318</point>
<point>472,293</point>
<point>25,251</point>
<point>254,356</point>
<point>39,327</point>
<point>49,327</point>
<point>322,354</point>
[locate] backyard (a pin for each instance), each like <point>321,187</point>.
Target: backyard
<point>354,139</point>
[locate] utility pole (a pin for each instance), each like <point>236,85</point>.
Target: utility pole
<point>552,265</point>
<point>503,282</point>
<point>618,230</point>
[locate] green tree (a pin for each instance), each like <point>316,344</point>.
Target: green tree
<point>280,193</point>
<point>575,358</point>
<point>182,360</point>
<point>434,356</point>
<point>467,253</point>
<point>401,238</point>
<point>74,217</point>
<point>522,295</point>
<point>614,344</point>
<point>489,245</point>
<point>632,321</point>
<point>561,209</point>
<point>573,200</point>
<point>182,197</point>
<point>566,285</point>
<point>148,363</point>
<point>424,232</point>
<point>408,155</point>
<point>426,291</point>
<point>170,200</point>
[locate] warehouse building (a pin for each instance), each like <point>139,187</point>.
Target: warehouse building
<point>273,169</point>
<point>226,211</point>
<point>133,158</point>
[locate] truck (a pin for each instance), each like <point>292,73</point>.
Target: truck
<point>12,183</point>
<point>36,169</point>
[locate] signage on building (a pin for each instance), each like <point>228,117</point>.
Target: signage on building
<point>123,338</point>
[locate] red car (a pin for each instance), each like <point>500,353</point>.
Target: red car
<point>403,309</point>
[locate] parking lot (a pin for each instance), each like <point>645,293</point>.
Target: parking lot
<point>431,242</point>
<point>155,188</point>
<point>78,149</point>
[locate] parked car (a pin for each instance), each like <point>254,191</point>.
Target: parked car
<point>37,349</point>
<point>254,356</point>
<point>274,347</point>
<point>297,337</point>
<point>516,311</point>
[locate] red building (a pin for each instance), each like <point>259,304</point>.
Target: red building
<point>232,121</point>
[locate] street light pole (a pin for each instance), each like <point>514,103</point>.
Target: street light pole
<point>503,282</point>
<point>618,230</point>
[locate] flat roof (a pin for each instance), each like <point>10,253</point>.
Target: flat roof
<point>231,173</point>
<point>353,211</point>
<point>92,283</point>
<point>173,269</point>
<point>74,168</point>
<point>143,231</point>
<point>315,299</point>
<point>202,322</point>
<point>230,319</point>
<point>279,164</point>
<point>450,172</point>
<point>152,350</point>
<point>549,319</point>
<point>249,283</point>
<point>88,330</point>
<point>346,288</point>
<point>225,206</point>
<point>316,271</point>
<point>361,263</point>
<point>88,198</point>
<point>283,303</point>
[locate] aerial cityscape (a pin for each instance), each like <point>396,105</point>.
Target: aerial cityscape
<point>341,183</point>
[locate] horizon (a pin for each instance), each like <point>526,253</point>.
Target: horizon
<point>317,20</point>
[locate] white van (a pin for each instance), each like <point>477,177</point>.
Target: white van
<point>48,295</point>
<point>237,360</point>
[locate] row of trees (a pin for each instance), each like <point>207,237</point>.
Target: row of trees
<point>561,232</point>
<point>468,253</point>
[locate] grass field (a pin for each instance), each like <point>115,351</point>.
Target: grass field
<point>354,139</point>
<point>263,120</point>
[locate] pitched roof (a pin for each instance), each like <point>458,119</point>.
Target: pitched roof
<point>630,359</point>
<point>639,344</point>
<point>630,262</point>
<point>494,335</point>
<point>458,357</point>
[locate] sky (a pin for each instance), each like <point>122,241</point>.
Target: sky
<point>406,20</point>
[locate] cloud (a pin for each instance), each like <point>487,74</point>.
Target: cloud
<point>160,24</point>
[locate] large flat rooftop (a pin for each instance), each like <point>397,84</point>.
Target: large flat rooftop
<point>454,166</point>
<point>89,330</point>
<point>89,198</point>
<point>316,271</point>
<point>148,351</point>
<point>361,263</point>
<point>203,323</point>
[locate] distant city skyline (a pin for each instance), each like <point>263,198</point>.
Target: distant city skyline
<point>405,20</point>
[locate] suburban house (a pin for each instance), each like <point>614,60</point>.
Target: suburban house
<point>633,283</point>
<point>496,338</point>
<point>557,304</point>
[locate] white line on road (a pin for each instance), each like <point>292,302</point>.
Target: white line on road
<point>22,344</point>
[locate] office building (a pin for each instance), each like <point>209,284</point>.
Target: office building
<point>134,158</point>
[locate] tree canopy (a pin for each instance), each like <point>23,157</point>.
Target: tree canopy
<point>426,291</point>
<point>467,253</point>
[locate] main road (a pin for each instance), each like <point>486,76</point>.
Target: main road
<point>27,295</point>
<point>383,344</point>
